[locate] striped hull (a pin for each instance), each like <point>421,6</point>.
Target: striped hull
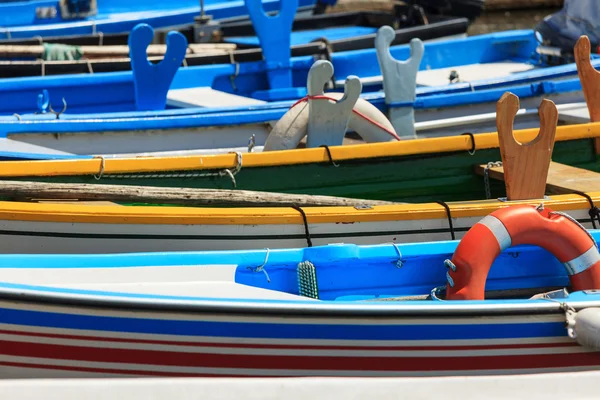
<point>45,341</point>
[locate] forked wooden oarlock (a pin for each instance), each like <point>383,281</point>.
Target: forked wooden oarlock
<point>399,81</point>
<point>328,120</point>
<point>525,164</point>
<point>590,81</point>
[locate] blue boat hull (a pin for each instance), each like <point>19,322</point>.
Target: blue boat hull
<point>20,20</point>
<point>114,92</point>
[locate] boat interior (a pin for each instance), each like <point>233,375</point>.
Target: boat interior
<point>337,272</point>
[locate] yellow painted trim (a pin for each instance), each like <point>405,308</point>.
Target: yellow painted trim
<point>75,213</point>
<point>280,158</point>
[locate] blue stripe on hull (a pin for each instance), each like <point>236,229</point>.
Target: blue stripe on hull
<point>274,330</point>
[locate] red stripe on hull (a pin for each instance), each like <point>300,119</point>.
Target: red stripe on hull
<point>292,347</point>
<point>286,362</point>
<point>119,371</point>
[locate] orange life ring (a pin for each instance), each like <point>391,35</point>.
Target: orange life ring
<point>521,224</point>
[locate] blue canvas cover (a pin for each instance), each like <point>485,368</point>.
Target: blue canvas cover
<point>577,17</point>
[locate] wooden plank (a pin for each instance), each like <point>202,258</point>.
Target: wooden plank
<point>168,195</point>
<point>590,81</point>
<point>561,178</point>
<point>115,51</point>
<point>526,164</point>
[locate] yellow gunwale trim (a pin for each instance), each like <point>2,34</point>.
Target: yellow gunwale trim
<point>148,215</point>
<point>284,157</point>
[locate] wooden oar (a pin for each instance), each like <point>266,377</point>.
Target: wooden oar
<point>8,51</point>
<point>19,190</point>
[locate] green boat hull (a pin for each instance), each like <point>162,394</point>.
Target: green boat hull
<point>418,178</point>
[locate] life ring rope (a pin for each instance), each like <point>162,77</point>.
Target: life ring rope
<point>361,115</point>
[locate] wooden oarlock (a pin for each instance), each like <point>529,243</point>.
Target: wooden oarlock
<point>590,81</point>
<point>525,164</point>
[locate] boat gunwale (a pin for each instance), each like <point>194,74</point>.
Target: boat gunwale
<point>503,308</point>
<point>358,152</point>
<point>159,215</point>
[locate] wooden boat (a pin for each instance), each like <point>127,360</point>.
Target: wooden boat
<point>28,19</point>
<point>337,310</point>
<point>317,35</point>
<point>418,172</point>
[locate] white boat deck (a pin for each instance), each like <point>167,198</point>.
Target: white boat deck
<point>207,97</point>
<point>208,281</point>
<point>466,73</point>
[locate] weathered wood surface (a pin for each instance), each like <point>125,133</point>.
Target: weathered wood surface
<point>590,81</point>
<point>561,178</point>
<point>19,190</point>
<point>525,164</point>
<point>115,51</point>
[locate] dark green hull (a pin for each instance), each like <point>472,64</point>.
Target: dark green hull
<point>420,178</point>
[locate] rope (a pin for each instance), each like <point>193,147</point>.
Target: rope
<point>61,52</point>
<point>449,218</point>
<point>99,176</point>
<point>449,265</point>
<point>361,115</point>
<point>329,155</point>
<point>573,220</point>
<point>261,268</point>
<point>182,175</point>
<point>472,151</point>
<point>594,211</point>
<point>237,71</point>
<point>306,230</point>
<point>399,262</point>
